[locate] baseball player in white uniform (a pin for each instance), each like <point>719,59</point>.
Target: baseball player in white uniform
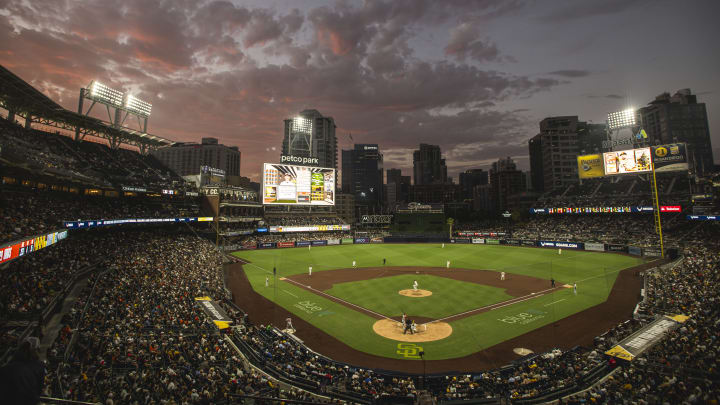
<point>575,288</point>
<point>415,285</point>
<point>559,251</point>
<point>443,246</point>
<point>447,265</point>
<point>267,281</point>
<point>354,264</point>
<point>502,275</point>
<point>310,271</point>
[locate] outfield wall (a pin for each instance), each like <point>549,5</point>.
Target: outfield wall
<point>550,244</point>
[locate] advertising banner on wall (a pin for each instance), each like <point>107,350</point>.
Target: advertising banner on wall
<point>561,245</point>
<point>377,240</point>
<point>309,228</point>
<point>285,244</point>
<point>333,241</point>
<point>598,247</point>
<point>512,242</point>
<point>302,243</point>
<point>529,243</point>
<point>460,240</point>
<point>13,250</point>
<point>319,243</point>
<point>478,241</point>
<point>362,240</point>
<point>634,250</point>
<point>617,248</point>
<point>590,166</point>
<point>651,252</point>
<point>492,241</point>
<point>106,222</point>
<point>670,157</point>
<point>266,245</point>
<point>347,241</point>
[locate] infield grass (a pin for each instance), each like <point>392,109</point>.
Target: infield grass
<point>594,272</point>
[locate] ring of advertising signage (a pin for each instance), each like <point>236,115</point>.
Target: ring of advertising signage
<point>627,161</point>
<point>590,166</point>
<point>298,185</point>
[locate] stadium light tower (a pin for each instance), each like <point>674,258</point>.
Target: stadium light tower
<point>300,137</point>
<point>128,104</point>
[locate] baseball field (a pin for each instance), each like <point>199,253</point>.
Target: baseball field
<point>459,311</point>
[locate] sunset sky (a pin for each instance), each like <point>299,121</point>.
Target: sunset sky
<point>474,77</point>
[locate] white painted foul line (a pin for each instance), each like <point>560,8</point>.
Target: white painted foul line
<point>290,293</point>
<point>554,302</point>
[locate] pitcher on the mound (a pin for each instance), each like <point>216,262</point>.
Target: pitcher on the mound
<point>415,285</point>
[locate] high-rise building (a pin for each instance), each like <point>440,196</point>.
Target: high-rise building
<point>505,180</point>
<point>429,166</point>
<point>362,176</point>
<point>680,118</point>
<point>310,134</point>
<point>185,159</point>
<point>471,178</point>
<point>554,151</point>
<point>397,187</point>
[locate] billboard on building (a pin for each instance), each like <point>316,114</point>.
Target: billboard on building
<point>627,161</point>
<point>590,166</point>
<point>298,185</point>
<point>670,157</point>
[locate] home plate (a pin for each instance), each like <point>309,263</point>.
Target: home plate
<point>521,351</point>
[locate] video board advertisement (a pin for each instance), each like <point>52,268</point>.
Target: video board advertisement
<point>627,161</point>
<point>25,246</point>
<point>590,166</point>
<point>298,185</point>
<point>670,157</point>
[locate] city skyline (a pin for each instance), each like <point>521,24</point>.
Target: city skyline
<point>474,78</point>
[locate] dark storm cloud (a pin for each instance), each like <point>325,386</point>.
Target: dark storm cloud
<point>235,71</point>
<point>573,73</point>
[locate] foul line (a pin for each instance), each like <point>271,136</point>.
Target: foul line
<point>334,298</point>
<point>555,302</point>
<point>291,293</point>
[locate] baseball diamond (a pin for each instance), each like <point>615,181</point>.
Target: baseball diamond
<point>471,320</point>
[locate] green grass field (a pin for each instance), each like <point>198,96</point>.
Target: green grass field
<point>594,273</point>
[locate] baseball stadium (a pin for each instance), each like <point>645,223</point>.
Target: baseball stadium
<point>186,218</point>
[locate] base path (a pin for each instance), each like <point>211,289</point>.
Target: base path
<point>392,329</point>
<point>578,329</point>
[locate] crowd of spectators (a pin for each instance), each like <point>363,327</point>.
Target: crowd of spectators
<point>85,161</point>
<point>28,213</point>
<point>299,220</point>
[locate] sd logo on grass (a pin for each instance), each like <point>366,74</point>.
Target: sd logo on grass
<point>409,350</point>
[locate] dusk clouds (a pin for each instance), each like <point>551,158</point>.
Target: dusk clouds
<point>395,73</point>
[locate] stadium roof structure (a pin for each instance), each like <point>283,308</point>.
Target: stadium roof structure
<point>20,98</point>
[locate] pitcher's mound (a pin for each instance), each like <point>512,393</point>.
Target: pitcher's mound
<point>415,293</point>
<point>425,333</point>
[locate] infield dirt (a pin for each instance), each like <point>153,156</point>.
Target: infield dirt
<point>578,329</point>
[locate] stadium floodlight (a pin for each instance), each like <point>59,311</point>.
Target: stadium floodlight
<point>137,106</point>
<point>302,125</point>
<point>104,93</point>
<point>622,119</point>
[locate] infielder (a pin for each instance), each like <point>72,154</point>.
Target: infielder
<point>310,271</point>
<point>415,285</point>
<point>502,275</point>
<point>552,282</point>
<point>447,265</point>
<point>413,328</point>
<point>267,281</point>
<point>404,318</point>
<point>354,264</point>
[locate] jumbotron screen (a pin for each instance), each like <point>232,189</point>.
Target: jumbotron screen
<point>627,161</point>
<point>298,185</point>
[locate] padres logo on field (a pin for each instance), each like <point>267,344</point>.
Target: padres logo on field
<point>409,350</point>
<point>661,151</point>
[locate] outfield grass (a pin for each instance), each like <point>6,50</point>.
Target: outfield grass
<point>594,273</point>
<point>449,296</point>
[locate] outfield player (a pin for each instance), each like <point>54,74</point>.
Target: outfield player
<point>267,281</point>
<point>443,246</point>
<point>415,285</point>
<point>575,288</point>
<point>310,271</point>
<point>447,265</point>
<point>552,282</point>
<point>383,261</point>
<point>308,247</point>
<point>502,275</point>
<point>354,264</point>
<point>559,251</point>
